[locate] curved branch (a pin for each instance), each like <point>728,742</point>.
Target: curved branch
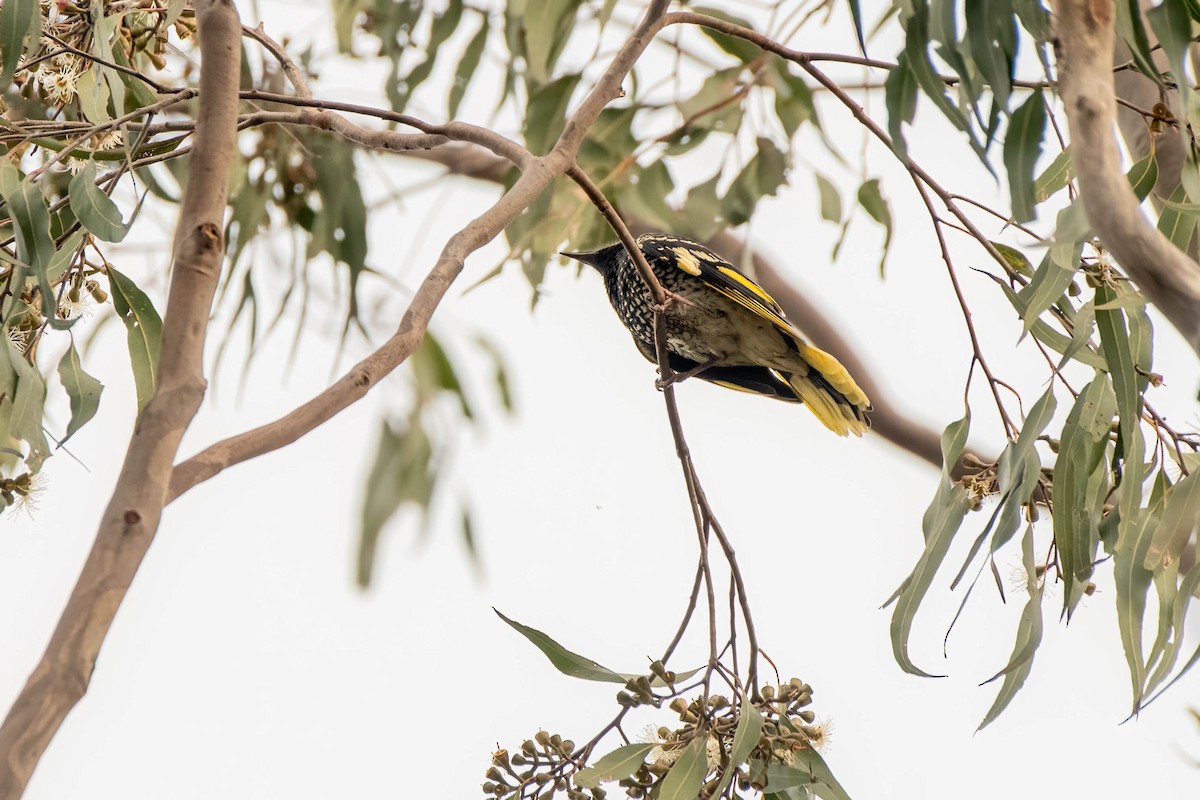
<point>536,176</point>
<point>132,517</point>
<point>1171,280</point>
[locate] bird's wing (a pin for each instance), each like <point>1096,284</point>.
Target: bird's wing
<point>719,275</point>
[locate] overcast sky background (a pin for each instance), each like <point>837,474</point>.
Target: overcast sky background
<point>245,663</point>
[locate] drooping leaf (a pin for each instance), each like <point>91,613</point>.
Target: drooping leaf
<point>1022,149</point>
<point>28,408</point>
<point>686,776</point>
<point>991,33</point>
<point>143,328</point>
<point>82,389</point>
<point>546,113</point>
<point>736,46</point>
<point>1054,177</point>
<point>941,521</point>
<point>831,199</point>
<point>1132,582</point>
<point>548,27</point>
<point>20,22</point>
<point>565,661</point>
<point>745,738</point>
<point>467,65</point>
<point>400,476</point>
<point>620,763</point>
<point>1181,515</point>
<point>900,99</point>
<point>1081,449</point>
<point>871,198</point>
<point>95,210</point>
<point>1132,30</point>
<point>810,772</point>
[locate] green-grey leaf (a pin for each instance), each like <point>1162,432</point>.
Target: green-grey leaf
<point>1054,177</point>
<point>811,772</point>
<point>93,208</point>
<point>1131,29</point>
<point>82,389</point>
<point>620,763</point>
<point>831,199</point>
<point>565,661</point>
<point>745,738</point>
<point>20,20</point>
<point>1022,149</point>
<point>546,113</point>
<point>1181,514</point>
<point>941,521</point>
<point>871,198</point>
<point>1081,450</point>
<point>686,776</point>
<point>28,407</point>
<point>467,65</point>
<point>31,217</point>
<point>143,328</point>
<point>1029,636</point>
<point>900,99</point>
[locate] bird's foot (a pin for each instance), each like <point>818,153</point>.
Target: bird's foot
<point>677,377</point>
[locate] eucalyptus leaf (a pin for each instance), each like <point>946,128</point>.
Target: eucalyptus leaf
<point>686,775</point>
<point>565,661</point>
<point>620,763</point>
<point>143,328</point>
<point>82,389</point>
<point>94,209</point>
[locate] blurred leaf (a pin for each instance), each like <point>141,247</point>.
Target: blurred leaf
<point>105,29</point>
<point>1054,177</point>
<point>433,372</point>
<point>1143,175</point>
<point>400,476</point>
<point>900,98</point>
<point>548,27</point>
<point>941,521</point>
<point>1034,17</point>
<point>793,98</point>
<point>619,764</point>
<point>82,389</point>
<point>646,197</point>
<point>871,198</point>
<point>831,200</point>
<point>1015,259</point>
<point>546,113</point>
<point>143,328</point>
<point>1131,29</point>
<point>248,213</point>
<point>93,208</point>
<point>467,65</point>
<point>20,21</point>
<point>1029,636</point>
<point>856,15</point>
<point>566,662</point>
<point>1177,224</point>
<point>716,105</point>
<point>686,775</point>
<point>1022,149</point>
<point>1081,450</point>
<point>736,46</point>
<point>1052,338</point>
<point>992,35</point>
<point>702,210</point>
<point>28,408</point>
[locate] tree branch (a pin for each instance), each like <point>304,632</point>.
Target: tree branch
<point>537,173</point>
<point>1083,47</point>
<point>132,517</point>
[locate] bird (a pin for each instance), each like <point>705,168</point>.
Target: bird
<point>724,328</point>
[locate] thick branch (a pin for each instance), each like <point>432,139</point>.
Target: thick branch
<point>1170,279</point>
<point>131,519</point>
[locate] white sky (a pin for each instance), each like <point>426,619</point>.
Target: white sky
<point>244,662</point>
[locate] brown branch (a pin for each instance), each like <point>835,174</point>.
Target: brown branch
<point>1170,279</point>
<point>132,517</point>
<point>537,173</point>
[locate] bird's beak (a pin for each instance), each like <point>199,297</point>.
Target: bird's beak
<point>590,257</point>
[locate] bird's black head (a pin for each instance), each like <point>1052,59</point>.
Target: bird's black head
<point>603,259</point>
